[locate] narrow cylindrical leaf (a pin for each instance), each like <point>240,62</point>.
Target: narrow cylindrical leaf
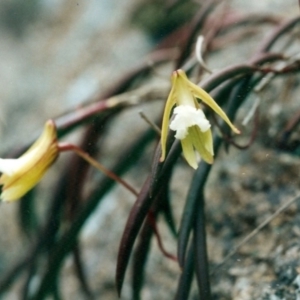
<point>186,278</point>
<point>132,227</point>
<point>140,259</point>
<point>200,249</point>
<point>188,216</point>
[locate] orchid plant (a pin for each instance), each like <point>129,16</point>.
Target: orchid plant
<point>185,117</point>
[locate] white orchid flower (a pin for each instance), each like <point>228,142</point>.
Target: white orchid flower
<point>191,126</point>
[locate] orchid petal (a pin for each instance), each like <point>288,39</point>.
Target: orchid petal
<point>207,99</point>
<point>189,152</point>
<point>166,119</point>
<point>200,142</point>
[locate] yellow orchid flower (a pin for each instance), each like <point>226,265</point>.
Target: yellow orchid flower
<point>22,174</point>
<point>189,122</point>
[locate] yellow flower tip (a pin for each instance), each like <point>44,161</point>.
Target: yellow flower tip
<point>22,174</point>
<point>176,73</point>
<point>162,159</point>
<point>210,161</point>
<point>235,130</point>
<point>180,72</point>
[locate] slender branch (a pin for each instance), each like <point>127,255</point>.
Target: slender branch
<point>152,125</point>
<point>152,222</point>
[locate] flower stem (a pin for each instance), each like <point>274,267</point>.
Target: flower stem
<point>70,147</point>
